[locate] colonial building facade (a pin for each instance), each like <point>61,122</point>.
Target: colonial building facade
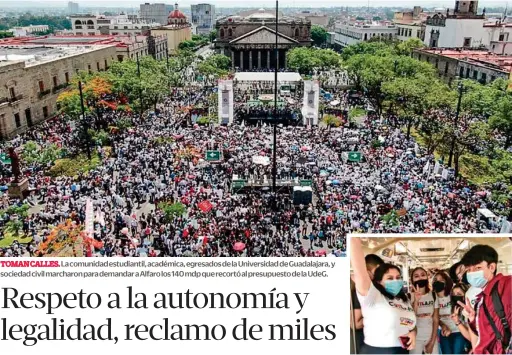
<point>250,41</point>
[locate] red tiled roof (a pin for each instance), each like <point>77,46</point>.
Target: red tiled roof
<point>504,62</point>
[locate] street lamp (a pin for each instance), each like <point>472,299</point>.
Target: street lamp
<point>84,122</point>
<point>460,89</point>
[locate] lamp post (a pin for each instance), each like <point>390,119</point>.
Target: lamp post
<point>140,87</point>
<point>460,88</point>
<point>84,122</point>
<point>274,157</point>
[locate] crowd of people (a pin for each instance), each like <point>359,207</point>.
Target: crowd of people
<point>465,309</point>
<point>161,157</point>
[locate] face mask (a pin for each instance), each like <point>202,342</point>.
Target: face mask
<point>438,286</point>
<point>477,278</point>
<point>393,286</point>
<point>455,299</point>
<point>420,283</point>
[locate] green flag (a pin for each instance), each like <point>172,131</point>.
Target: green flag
<point>355,156</point>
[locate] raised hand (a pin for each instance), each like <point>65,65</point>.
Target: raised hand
<point>469,309</point>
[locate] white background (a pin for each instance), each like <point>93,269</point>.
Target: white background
<point>328,303</point>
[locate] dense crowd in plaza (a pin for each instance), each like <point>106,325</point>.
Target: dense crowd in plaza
<point>161,158</point>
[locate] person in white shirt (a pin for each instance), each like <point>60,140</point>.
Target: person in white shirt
<point>389,319</point>
<point>426,307</point>
<point>451,340</point>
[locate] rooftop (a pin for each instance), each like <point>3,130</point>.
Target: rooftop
<point>118,40</point>
<point>34,55</point>
<point>500,62</point>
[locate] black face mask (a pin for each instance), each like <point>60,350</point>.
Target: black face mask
<point>455,299</point>
<point>438,286</point>
<point>420,283</point>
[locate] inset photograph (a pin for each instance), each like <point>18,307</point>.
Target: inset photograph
<point>430,295</point>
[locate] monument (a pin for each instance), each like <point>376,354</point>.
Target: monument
<point>19,186</point>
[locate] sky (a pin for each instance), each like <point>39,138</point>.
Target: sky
<point>250,3</point>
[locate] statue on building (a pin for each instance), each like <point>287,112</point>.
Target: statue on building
<point>15,164</point>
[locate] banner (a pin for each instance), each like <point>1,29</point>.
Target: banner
<point>310,106</point>
<point>225,98</point>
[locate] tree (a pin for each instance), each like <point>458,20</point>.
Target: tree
<point>305,60</point>
<point>501,119</point>
<point>6,34</point>
<point>172,210</point>
<point>406,47</point>
<point>318,35</point>
<point>213,35</point>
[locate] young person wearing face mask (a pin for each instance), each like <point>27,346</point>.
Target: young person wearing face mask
<point>389,319</point>
<point>427,313</point>
<point>491,319</point>
<point>357,335</point>
<point>459,316</point>
<point>451,340</point>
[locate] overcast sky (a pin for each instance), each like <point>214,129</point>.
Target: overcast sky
<point>250,3</point>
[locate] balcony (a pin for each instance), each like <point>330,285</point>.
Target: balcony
<point>3,100</point>
<point>78,27</point>
<point>59,87</point>
<point>15,99</point>
<point>44,93</point>
<point>90,27</point>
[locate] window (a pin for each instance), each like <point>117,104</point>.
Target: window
<point>12,93</point>
<point>467,42</point>
<point>437,63</point>
<point>502,37</point>
<point>55,81</point>
<point>446,67</point>
<point>89,68</point>
<point>475,74</point>
<point>296,32</point>
<point>410,32</point>
<point>41,86</point>
<point>45,111</point>
<point>493,78</point>
<point>221,33</point>
<point>17,120</point>
<point>28,116</point>
<point>366,36</point>
<point>98,66</point>
<point>467,72</point>
<point>125,27</point>
<point>66,75</point>
<point>106,64</point>
<point>230,32</point>
<point>483,78</point>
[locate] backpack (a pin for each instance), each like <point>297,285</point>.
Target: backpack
<point>505,339</point>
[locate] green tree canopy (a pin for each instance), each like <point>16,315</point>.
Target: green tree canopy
<point>304,59</point>
<point>318,35</point>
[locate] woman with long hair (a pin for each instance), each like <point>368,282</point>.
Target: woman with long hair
<point>451,340</point>
<point>389,319</point>
<point>426,308</point>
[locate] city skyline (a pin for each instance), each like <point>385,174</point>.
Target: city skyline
<point>262,3</point>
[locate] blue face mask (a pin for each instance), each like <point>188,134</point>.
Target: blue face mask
<point>476,278</point>
<point>393,286</point>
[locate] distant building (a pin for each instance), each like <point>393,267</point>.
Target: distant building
<point>73,8</point>
<point>349,33</point>
<point>462,28</point>
<point>33,76</point>
<point>478,65</point>
<point>91,25</point>
<point>250,41</point>
<point>28,30</point>
<point>410,24</point>
<point>203,18</point>
<point>155,13</point>
<point>177,30</point>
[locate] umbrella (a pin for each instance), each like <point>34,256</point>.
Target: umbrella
<point>320,252</point>
<point>65,197</point>
<point>328,182</point>
<point>331,168</point>
<point>323,173</point>
<point>124,231</point>
<point>354,197</point>
<point>3,188</point>
<point>304,149</point>
<point>481,193</point>
<point>239,246</point>
<point>335,182</point>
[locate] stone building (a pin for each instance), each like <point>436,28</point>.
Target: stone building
<point>482,66</point>
<point>177,30</point>
<point>32,77</point>
<point>154,12</point>
<point>250,41</point>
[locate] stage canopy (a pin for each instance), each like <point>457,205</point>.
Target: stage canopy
<point>268,76</point>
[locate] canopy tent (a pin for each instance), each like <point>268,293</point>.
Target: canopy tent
<point>257,76</point>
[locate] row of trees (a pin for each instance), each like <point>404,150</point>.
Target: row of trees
<point>306,59</point>
<point>474,136</point>
<point>54,22</point>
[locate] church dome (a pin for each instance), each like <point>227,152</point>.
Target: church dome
<point>176,14</point>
